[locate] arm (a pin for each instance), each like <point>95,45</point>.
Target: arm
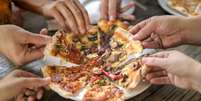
<point>193,32</point>
<point>31,5</point>
<point>21,46</point>
<point>17,83</point>
<point>172,67</point>
<point>69,14</point>
<point>168,31</point>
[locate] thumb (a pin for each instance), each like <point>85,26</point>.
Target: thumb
<point>44,31</point>
<point>38,39</point>
<point>36,82</point>
<point>154,62</point>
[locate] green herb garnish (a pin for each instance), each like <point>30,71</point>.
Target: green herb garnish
<point>59,47</point>
<point>101,82</point>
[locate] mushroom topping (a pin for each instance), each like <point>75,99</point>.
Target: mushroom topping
<point>96,70</point>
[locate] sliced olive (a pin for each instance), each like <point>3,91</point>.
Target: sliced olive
<point>125,77</point>
<point>120,45</point>
<point>59,47</point>
<point>93,37</point>
<point>75,39</point>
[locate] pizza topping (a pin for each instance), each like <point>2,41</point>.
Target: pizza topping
<point>114,57</point>
<point>93,37</point>
<point>136,65</point>
<point>75,39</point>
<point>101,82</point>
<point>125,77</point>
<point>59,47</point>
<point>96,70</point>
<point>56,78</point>
<point>110,75</point>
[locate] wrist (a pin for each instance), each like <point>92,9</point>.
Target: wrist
<point>192,30</point>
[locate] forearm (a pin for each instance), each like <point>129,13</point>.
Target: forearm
<point>31,5</point>
<point>193,33</point>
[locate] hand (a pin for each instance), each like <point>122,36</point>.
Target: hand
<point>172,67</point>
<point>111,10</point>
<point>21,46</point>
<point>21,83</point>
<point>167,31</point>
<point>69,14</point>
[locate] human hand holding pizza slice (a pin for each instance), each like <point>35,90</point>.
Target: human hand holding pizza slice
<point>167,31</point>
<point>172,67</point>
<point>22,85</point>
<point>21,46</point>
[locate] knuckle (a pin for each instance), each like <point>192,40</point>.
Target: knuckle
<point>18,60</point>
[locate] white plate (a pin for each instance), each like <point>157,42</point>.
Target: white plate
<point>164,5</point>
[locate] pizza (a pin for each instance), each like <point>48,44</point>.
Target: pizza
<point>186,7</point>
<point>97,54</point>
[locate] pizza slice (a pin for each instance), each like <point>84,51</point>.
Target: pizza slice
<point>66,81</point>
<point>121,46</point>
<point>72,48</point>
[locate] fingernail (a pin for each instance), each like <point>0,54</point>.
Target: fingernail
<point>143,61</point>
<point>47,79</point>
<point>83,31</point>
<point>131,4</point>
<point>131,17</point>
<point>112,18</point>
<point>135,36</point>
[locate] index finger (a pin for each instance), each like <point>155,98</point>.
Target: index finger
<point>84,13</point>
<point>113,6</point>
<point>104,9</point>
<point>77,14</point>
<point>143,30</point>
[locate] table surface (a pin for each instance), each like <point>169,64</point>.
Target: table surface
<point>154,93</point>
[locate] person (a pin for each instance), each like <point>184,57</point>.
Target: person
<point>171,67</point>
<point>27,86</point>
